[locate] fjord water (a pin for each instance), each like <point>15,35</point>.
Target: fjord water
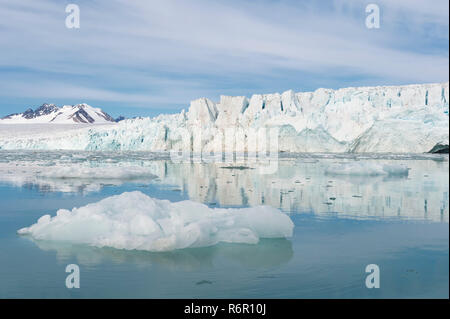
<point>343,222</point>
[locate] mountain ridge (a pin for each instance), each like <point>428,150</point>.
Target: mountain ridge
<point>67,114</point>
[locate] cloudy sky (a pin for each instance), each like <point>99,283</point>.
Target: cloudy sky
<point>146,57</point>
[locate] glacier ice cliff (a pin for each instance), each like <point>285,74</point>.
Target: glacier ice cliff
<point>399,119</point>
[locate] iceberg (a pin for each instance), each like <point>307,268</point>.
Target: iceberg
<point>159,225</point>
<point>383,119</point>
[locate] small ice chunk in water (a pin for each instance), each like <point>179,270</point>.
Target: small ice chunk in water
<point>134,220</point>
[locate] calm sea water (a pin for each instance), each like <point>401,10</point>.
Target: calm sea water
<point>342,224</point>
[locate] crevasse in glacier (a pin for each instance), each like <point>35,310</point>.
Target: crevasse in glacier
<point>400,119</point>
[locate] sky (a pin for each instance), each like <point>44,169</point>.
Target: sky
<point>143,58</point>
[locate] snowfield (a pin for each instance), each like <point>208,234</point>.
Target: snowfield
<point>159,225</point>
<point>397,119</point>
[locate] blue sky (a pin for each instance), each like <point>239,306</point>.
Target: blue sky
<point>139,58</point>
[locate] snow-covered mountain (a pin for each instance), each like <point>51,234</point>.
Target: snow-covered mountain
<point>67,114</point>
<point>399,119</point>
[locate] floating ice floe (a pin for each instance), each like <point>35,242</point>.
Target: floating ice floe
<point>134,220</point>
<point>113,172</point>
<point>367,169</point>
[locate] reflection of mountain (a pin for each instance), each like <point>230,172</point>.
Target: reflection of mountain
<point>267,253</point>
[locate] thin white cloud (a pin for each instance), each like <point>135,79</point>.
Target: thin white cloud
<point>48,91</point>
<point>118,40</point>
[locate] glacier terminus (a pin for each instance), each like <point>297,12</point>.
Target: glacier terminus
<point>383,119</point>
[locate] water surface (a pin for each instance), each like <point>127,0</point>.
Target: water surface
<point>342,223</point>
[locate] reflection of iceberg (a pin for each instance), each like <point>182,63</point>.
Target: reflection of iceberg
<point>267,253</point>
<point>69,184</point>
<point>81,172</point>
<point>136,221</point>
<point>365,168</point>
<point>102,173</point>
<point>87,179</point>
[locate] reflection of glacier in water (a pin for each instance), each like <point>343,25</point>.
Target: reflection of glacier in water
<point>302,184</point>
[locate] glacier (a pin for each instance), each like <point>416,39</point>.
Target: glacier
<point>159,225</point>
<point>382,119</point>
